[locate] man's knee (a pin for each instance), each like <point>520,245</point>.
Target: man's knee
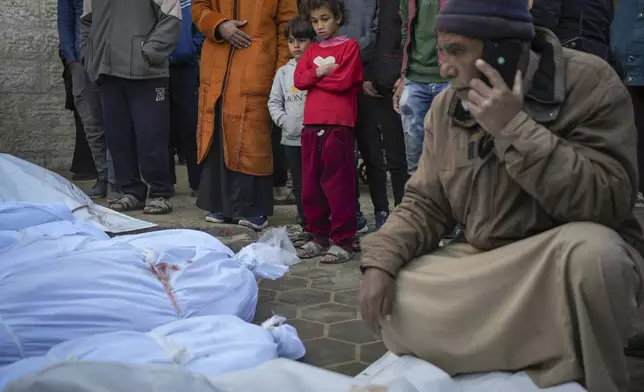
<point>598,257</point>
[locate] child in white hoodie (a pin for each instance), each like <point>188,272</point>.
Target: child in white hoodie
<point>286,104</point>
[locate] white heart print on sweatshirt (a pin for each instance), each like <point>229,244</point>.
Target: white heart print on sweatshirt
<point>320,61</point>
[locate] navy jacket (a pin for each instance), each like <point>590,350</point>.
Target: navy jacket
<point>579,24</point>
<point>628,41</point>
<point>190,41</point>
<point>385,68</point>
<point>69,13</point>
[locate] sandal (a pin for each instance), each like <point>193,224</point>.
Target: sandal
<point>300,239</point>
<point>158,206</point>
<point>125,203</point>
<point>310,250</point>
<point>336,255</point>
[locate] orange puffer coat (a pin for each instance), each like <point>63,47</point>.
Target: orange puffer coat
<point>242,78</point>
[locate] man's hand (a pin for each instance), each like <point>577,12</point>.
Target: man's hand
<point>325,70</point>
<point>229,30</point>
<point>494,107</point>
<point>398,90</point>
<point>369,90</point>
<point>376,297</point>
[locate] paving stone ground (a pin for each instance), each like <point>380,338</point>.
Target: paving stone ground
<point>319,300</point>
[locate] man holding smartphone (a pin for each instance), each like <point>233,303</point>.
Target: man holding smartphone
<point>542,174</point>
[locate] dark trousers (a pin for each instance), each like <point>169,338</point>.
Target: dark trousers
<point>328,178</point>
<point>136,115</point>
<point>393,140</point>
<point>280,171</point>
<point>82,161</point>
<point>370,146</point>
<point>183,120</point>
<point>293,156</point>
<point>637,96</point>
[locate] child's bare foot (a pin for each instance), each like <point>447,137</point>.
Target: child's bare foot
<point>337,255</point>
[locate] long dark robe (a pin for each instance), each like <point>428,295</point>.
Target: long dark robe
<point>235,194</point>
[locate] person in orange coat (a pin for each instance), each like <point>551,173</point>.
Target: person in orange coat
<point>244,47</point>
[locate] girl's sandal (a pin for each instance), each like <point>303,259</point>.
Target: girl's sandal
<point>126,203</point>
<point>336,255</point>
<point>310,250</point>
<point>301,239</point>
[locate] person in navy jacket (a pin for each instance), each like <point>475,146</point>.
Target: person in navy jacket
<point>184,77</point>
<point>86,98</point>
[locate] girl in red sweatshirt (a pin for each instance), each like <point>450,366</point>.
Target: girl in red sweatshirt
<point>331,71</point>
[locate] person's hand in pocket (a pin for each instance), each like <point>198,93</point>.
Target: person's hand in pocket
<point>370,90</point>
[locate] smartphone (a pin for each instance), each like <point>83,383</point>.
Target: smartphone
<point>503,55</point>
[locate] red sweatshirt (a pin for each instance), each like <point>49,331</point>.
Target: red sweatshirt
<point>332,99</point>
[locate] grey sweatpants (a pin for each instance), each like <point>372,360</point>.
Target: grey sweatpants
<point>88,104</point>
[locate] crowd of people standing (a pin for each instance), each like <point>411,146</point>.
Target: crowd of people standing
<point>212,81</point>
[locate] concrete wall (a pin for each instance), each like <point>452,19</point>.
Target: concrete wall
<point>34,124</point>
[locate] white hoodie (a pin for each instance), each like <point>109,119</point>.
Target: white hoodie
<point>286,105</point>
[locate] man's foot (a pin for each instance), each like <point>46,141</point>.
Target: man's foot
<point>84,176</point>
<point>158,206</point>
<point>98,191</point>
<point>113,193</point>
<point>216,217</point>
<point>126,203</point>
<point>337,255</point>
<point>194,193</point>
<point>381,218</point>
<point>639,202</point>
<point>255,223</point>
<point>362,226</point>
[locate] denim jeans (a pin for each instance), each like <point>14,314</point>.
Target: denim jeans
<point>414,105</point>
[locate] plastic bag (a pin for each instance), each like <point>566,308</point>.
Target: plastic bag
<point>270,256</point>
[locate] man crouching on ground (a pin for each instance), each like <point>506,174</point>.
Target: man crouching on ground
<point>544,185</point>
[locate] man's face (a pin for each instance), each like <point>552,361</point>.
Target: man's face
<point>458,64</point>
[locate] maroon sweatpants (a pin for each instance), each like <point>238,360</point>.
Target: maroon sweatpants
<point>328,184</point>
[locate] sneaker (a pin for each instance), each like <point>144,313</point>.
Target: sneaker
<point>381,218</point>
<point>362,223</point>
<point>84,176</point>
<point>216,217</point>
<point>280,196</point>
<point>113,193</point>
<point>98,191</point>
<point>639,202</point>
<point>255,223</point>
